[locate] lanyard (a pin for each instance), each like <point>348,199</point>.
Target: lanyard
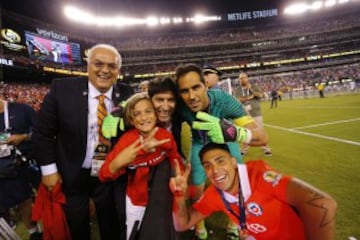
<point>6,116</point>
<point>245,91</point>
<point>242,216</point>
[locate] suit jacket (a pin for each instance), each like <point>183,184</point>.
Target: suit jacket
<point>60,133</point>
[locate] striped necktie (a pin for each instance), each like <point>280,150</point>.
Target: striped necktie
<point>101,114</point>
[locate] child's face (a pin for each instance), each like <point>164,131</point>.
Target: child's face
<point>144,117</point>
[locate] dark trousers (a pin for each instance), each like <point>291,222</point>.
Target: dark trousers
<point>77,207</point>
<point>157,223</point>
<point>273,102</point>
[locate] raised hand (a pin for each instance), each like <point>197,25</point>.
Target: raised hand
<point>178,184</point>
<point>150,142</point>
<point>221,131</point>
<point>126,156</point>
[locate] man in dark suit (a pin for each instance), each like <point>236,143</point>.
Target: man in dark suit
<point>66,140</point>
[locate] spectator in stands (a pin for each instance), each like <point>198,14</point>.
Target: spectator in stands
<point>16,123</point>
<point>276,206</point>
<point>144,86</point>
<point>70,147</point>
<point>250,96</point>
<point>212,76</point>
<point>197,99</point>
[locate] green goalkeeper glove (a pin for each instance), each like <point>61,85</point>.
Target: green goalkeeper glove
<point>221,131</point>
<point>109,126</point>
<point>112,120</point>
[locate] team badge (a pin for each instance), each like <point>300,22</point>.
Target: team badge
<point>254,209</point>
<point>272,177</point>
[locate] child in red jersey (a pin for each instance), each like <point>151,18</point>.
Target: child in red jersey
<point>138,149</point>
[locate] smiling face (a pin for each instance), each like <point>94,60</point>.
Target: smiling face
<point>143,116</point>
<point>164,104</point>
<point>193,91</point>
<point>103,69</point>
<point>220,168</point>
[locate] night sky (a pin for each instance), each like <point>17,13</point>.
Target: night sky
<point>51,10</point>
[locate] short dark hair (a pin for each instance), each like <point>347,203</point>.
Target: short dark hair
<point>210,69</point>
<point>160,85</point>
<point>211,146</point>
<point>181,70</point>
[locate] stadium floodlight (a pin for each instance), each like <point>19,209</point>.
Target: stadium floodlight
<point>84,17</point>
<point>102,21</point>
<point>201,18</point>
<point>164,20</point>
<point>296,8</point>
<point>177,20</point>
<point>78,15</point>
<point>316,5</point>
<point>152,21</point>
<point>122,22</point>
<point>329,3</point>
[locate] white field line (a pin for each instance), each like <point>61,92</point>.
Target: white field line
<point>314,135</point>
<point>323,107</point>
<point>328,123</point>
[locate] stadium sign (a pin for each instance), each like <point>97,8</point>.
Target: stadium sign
<point>5,61</point>
<point>11,39</point>
<point>242,16</point>
<point>64,71</point>
<point>52,34</point>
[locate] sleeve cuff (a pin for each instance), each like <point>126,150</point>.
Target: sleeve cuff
<point>48,169</point>
<point>248,136</point>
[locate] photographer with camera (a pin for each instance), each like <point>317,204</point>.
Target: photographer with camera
<point>250,96</point>
<point>16,122</point>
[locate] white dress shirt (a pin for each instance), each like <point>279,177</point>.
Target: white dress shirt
<point>92,129</point>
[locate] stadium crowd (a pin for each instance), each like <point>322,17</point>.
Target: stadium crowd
<point>223,47</point>
<point>33,93</point>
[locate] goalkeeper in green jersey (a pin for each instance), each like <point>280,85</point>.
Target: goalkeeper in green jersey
<point>214,116</point>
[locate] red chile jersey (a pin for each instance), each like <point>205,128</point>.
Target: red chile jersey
<point>268,216</point>
<point>138,178</point>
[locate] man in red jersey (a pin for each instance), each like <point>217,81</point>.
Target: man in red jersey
<point>265,204</point>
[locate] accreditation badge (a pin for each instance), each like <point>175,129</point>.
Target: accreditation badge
<point>97,161</point>
<point>5,150</point>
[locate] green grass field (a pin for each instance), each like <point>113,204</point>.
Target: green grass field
<point>317,140</point>
<point>329,159</point>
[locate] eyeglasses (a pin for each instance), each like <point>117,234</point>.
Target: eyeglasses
<point>111,66</point>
